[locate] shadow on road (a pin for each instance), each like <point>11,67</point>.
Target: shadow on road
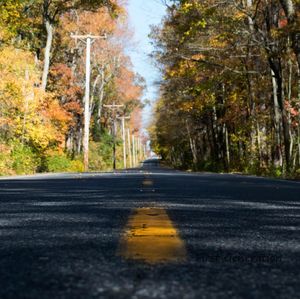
<point>59,235</point>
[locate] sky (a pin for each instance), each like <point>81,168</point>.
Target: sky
<point>143,14</point>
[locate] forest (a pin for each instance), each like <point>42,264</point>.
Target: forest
<point>229,99</point>
<point>42,86</point>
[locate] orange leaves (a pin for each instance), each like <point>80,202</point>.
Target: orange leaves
<point>52,110</point>
<point>136,120</point>
<point>64,82</point>
<point>73,107</point>
<point>198,57</point>
<point>28,113</point>
<point>293,111</point>
<point>65,85</point>
<point>125,84</point>
<point>95,22</point>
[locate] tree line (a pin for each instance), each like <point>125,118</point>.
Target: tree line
<point>230,94</point>
<point>42,84</point>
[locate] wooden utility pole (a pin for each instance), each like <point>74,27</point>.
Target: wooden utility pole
<point>88,40</point>
<point>137,150</point>
<point>114,109</point>
<point>140,150</point>
<point>129,148</point>
<point>133,151</point>
<point>145,155</point>
<point>124,138</point>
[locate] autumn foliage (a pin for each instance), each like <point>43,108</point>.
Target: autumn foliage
<point>230,94</point>
<point>41,130</point>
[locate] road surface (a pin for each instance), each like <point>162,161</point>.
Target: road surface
<point>149,233</point>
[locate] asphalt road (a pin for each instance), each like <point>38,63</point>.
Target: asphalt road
<point>149,233</point>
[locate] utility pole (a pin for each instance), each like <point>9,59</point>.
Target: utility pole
<point>137,150</point>
<point>114,109</point>
<point>124,138</point>
<point>129,148</point>
<point>140,150</point>
<point>88,40</point>
<point>134,150</point>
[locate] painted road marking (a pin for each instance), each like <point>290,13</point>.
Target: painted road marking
<point>147,182</point>
<point>151,236</point>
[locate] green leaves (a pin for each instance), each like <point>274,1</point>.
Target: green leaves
<point>216,59</point>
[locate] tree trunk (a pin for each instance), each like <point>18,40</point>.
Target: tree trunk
<point>275,65</point>
<point>294,31</point>
<point>192,144</point>
<point>79,140</point>
<point>49,29</point>
<point>227,147</point>
<point>92,101</point>
<point>101,97</point>
<point>277,150</point>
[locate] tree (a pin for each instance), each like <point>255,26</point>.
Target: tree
<point>26,113</point>
<point>44,121</point>
<point>227,88</point>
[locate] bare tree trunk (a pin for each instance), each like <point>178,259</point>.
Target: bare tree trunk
<point>227,146</point>
<point>289,97</point>
<point>192,144</point>
<point>277,71</point>
<point>278,152</point>
<point>294,32</point>
<point>101,97</point>
<point>49,29</point>
<point>70,141</point>
<point>79,140</point>
<point>92,101</point>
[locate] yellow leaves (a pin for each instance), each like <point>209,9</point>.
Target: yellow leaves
<point>196,104</point>
<point>2,33</point>
<point>218,42</point>
<point>190,6</point>
<point>186,107</point>
<point>26,111</point>
<point>11,18</point>
<point>40,125</point>
<point>14,62</point>
<point>239,15</point>
<point>40,134</point>
<point>10,9</point>
<point>171,73</point>
<point>186,7</point>
<point>194,28</point>
<point>183,68</point>
<point>201,24</point>
<point>275,33</point>
<point>233,97</point>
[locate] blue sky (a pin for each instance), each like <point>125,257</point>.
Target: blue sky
<point>142,14</point>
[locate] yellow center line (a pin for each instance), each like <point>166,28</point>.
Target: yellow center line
<point>147,182</point>
<point>151,236</point>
